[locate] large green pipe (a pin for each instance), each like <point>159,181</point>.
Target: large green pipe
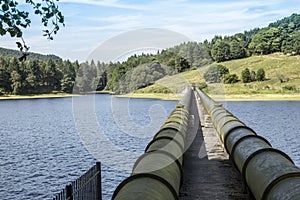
<point>144,186</point>
<point>162,164</point>
<point>269,173</point>
<point>167,144</point>
<point>157,174</point>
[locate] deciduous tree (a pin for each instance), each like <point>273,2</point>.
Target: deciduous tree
<point>220,51</point>
<point>246,76</point>
<point>14,19</point>
<point>260,75</point>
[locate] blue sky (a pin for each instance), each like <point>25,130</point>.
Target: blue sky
<point>89,23</point>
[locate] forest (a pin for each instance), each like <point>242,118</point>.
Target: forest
<point>47,74</point>
<point>281,36</point>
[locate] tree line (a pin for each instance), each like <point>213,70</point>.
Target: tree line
<point>218,73</point>
<point>281,36</point>
<point>31,56</point>
<point>36,76</point>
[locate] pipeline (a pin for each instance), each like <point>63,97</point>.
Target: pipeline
<point>157,174</point>
<point>269,173</point>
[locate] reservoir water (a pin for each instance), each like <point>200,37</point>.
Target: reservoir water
<point>42,149</point>
<point>277,121</point>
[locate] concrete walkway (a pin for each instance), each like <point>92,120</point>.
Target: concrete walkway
<point>207,172</point>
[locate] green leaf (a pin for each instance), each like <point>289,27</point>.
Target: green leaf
<point>13,4</point>
<point>5,7</point>
<point>2,31</point>
<point>19,44</point>
<point>12,32</point>
<point>23,25</point>
<point>19,34</point>
<point>28,21</point>
<point>37,12</point>
<point>46,9</point>
<point>49,15</point>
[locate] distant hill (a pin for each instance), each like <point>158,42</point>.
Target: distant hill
<point>282,73</point>
<point>275,48</point>
<point>281,36</point>
<point>32,56</point>
<point>142,70</point>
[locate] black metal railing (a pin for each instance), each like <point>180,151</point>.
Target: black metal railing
<point>86,187</point>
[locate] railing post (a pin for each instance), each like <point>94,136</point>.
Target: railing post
<point>98,182</point>
<point>69,195</point>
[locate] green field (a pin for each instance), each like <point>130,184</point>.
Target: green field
<point>277,67</point>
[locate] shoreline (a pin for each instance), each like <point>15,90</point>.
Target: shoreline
<point>36,96</point>
<point>168,97</point>
<point>235,97</point>
<point>159,96</point>
<point>258,97</point>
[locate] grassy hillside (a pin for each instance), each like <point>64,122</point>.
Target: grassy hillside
<point>282,73</point>
<point>277,67</point>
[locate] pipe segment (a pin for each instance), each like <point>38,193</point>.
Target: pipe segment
<point>160,164</point>
<point>176,136</point>
<point>167,144</point>
<point>176,120</point>
<point>174,126</point>
<point>269,173</point>
<point>170,133</point>
<point>151,185</point>
<point>157,174</point>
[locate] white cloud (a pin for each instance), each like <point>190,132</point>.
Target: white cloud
<point>198,20</point>
<point>105,3</point>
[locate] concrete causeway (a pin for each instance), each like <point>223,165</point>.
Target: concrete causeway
<point>208,173</point>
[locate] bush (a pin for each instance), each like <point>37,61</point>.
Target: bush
<point>155,89</point>
<point>230,78</point>
<point>246,76</point>
<point>290,87</point>
<point>260,75</point>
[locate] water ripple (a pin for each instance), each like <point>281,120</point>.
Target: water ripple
<point>41,152</point>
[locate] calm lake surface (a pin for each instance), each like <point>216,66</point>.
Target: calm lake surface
<point>41,149</point>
